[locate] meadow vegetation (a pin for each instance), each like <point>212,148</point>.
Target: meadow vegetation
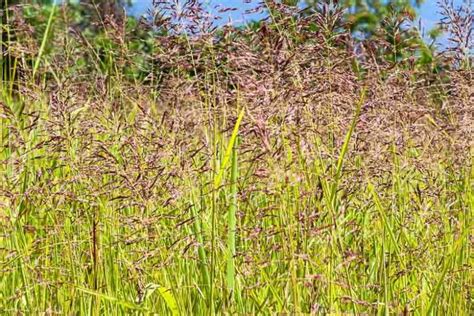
<point>169,166</point>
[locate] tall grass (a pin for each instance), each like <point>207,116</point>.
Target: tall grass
<point>237,171</point>
<point>232,225</point>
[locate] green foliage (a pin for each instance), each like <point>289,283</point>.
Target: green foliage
<point>389,23</point>
<point>366,16</point>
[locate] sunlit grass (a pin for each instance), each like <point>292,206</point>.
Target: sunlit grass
<point>114,202</point>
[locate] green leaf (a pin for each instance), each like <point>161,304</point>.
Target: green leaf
<point>228,151</point>
<point>111,299</point>
<point>165,293</point>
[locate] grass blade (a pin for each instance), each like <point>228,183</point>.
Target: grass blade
<point>231,222</point>
<point>165,293</point>
<point>43,42</point>
<point>228,151</point>
<point>111,299</point>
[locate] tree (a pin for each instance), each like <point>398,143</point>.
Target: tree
<point>385,26</point>
<point>366,16</point>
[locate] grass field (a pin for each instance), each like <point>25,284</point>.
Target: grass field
<point>245,179</point>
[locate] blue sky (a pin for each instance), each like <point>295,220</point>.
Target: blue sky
<point>428,11</point>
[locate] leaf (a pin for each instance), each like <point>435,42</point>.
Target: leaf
<point>165,293</point>
<point>111,299</point>
<point>228,151</point>
<point>43,42</point>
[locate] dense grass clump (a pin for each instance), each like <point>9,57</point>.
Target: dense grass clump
<point>169,167</point>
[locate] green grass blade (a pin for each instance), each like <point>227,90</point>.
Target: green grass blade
<point>111,299</point>
<point>165,293</point>
<point>228,151</point>
<point>231,222</point>
<point>345,146</point>
<point>168,296</point>
<point>197,230</point>
<point>43,42</point>
<point>383,215</point>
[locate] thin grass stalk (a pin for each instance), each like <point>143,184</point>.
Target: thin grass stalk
<point>43,42</point>
<point>447,265</point>
<point>13,75</point>
<point>229,149</point>
<point>334,187</point>
<point>7,72</point>
<point>215,166</point>
<point>231,222</point>
<point>201,251</point>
